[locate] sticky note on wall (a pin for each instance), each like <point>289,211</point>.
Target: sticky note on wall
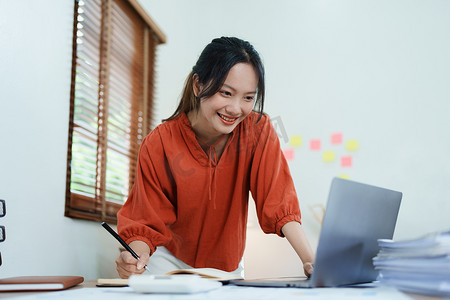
<point>289,154</point>
<point>352,145</point>
<point>296,141</point>
<point>336,138</point>
<point>328,156</point>
<point>315,145</point>
<point>346,161</point>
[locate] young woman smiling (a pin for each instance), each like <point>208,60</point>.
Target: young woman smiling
<point>188,206</point>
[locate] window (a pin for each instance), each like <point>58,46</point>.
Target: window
<point>114,43</point>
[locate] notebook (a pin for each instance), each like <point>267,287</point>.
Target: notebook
<point>208,273</point>
<point>356,216</point>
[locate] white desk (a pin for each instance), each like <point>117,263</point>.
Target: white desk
<point>88,291</point>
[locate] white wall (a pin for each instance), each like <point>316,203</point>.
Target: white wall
<point>35,64</point>
<point>378,71</point>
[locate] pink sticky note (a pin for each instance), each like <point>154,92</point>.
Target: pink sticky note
<point>346,161</point>
<point>336,138</point>
<point>314,145</point>
<point>289,154</point>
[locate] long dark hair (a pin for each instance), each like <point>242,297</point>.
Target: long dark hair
<point>212,68</point>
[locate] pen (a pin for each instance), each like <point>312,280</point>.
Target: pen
<point>122,242</point>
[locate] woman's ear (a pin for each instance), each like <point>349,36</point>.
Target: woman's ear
<point>195,85</point>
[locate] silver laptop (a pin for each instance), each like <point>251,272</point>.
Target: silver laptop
<point>357,215</point>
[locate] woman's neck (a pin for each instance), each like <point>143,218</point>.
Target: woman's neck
<point>202,134</point>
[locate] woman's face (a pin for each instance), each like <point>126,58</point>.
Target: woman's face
<point>222,112</point>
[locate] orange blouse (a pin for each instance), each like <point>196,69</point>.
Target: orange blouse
<point>196,207</point>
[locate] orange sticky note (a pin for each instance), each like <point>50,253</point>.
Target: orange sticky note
<point>346,161</point>
<point>315,145</point>
<point>289,154</point>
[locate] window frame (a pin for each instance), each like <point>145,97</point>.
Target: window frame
<point>96,206</point>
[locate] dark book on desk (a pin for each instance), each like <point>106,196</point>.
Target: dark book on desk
<point>39,283</point>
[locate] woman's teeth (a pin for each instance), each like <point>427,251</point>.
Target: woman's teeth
<point>227,119</point>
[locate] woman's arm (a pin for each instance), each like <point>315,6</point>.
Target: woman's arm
<point>293,231</point>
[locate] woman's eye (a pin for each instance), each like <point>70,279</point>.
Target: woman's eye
<point>249,98</point>
<point>225,93</point>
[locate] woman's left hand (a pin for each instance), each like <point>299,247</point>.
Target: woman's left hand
<point>308,268</point>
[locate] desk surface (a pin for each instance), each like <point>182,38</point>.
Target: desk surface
<point>87,291</point>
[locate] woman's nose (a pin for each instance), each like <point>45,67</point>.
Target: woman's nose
<point>233,108</point>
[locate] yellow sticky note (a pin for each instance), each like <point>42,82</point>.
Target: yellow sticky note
<point>296,141</point>
<point>352,145</point>
<point>328,156</point>
<point>344,176</point>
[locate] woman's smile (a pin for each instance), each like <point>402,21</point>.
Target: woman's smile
<point>226,119</point>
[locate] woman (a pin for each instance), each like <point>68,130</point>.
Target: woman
<point>188,206</point>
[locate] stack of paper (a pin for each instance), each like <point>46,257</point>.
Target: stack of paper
<point>419,266</point>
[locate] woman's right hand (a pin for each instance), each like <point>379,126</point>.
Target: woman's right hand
<point>127,265</point>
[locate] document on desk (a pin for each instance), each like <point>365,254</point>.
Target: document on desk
<point>226,293</point>
<point>419,266</point>
<point>208,273</point>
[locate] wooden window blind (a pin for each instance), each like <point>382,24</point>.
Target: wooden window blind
<point>114,43</point>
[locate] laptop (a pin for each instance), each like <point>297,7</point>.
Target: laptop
<point>356,216</point>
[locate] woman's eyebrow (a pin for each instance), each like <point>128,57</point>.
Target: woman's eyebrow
<point>234,90</point>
